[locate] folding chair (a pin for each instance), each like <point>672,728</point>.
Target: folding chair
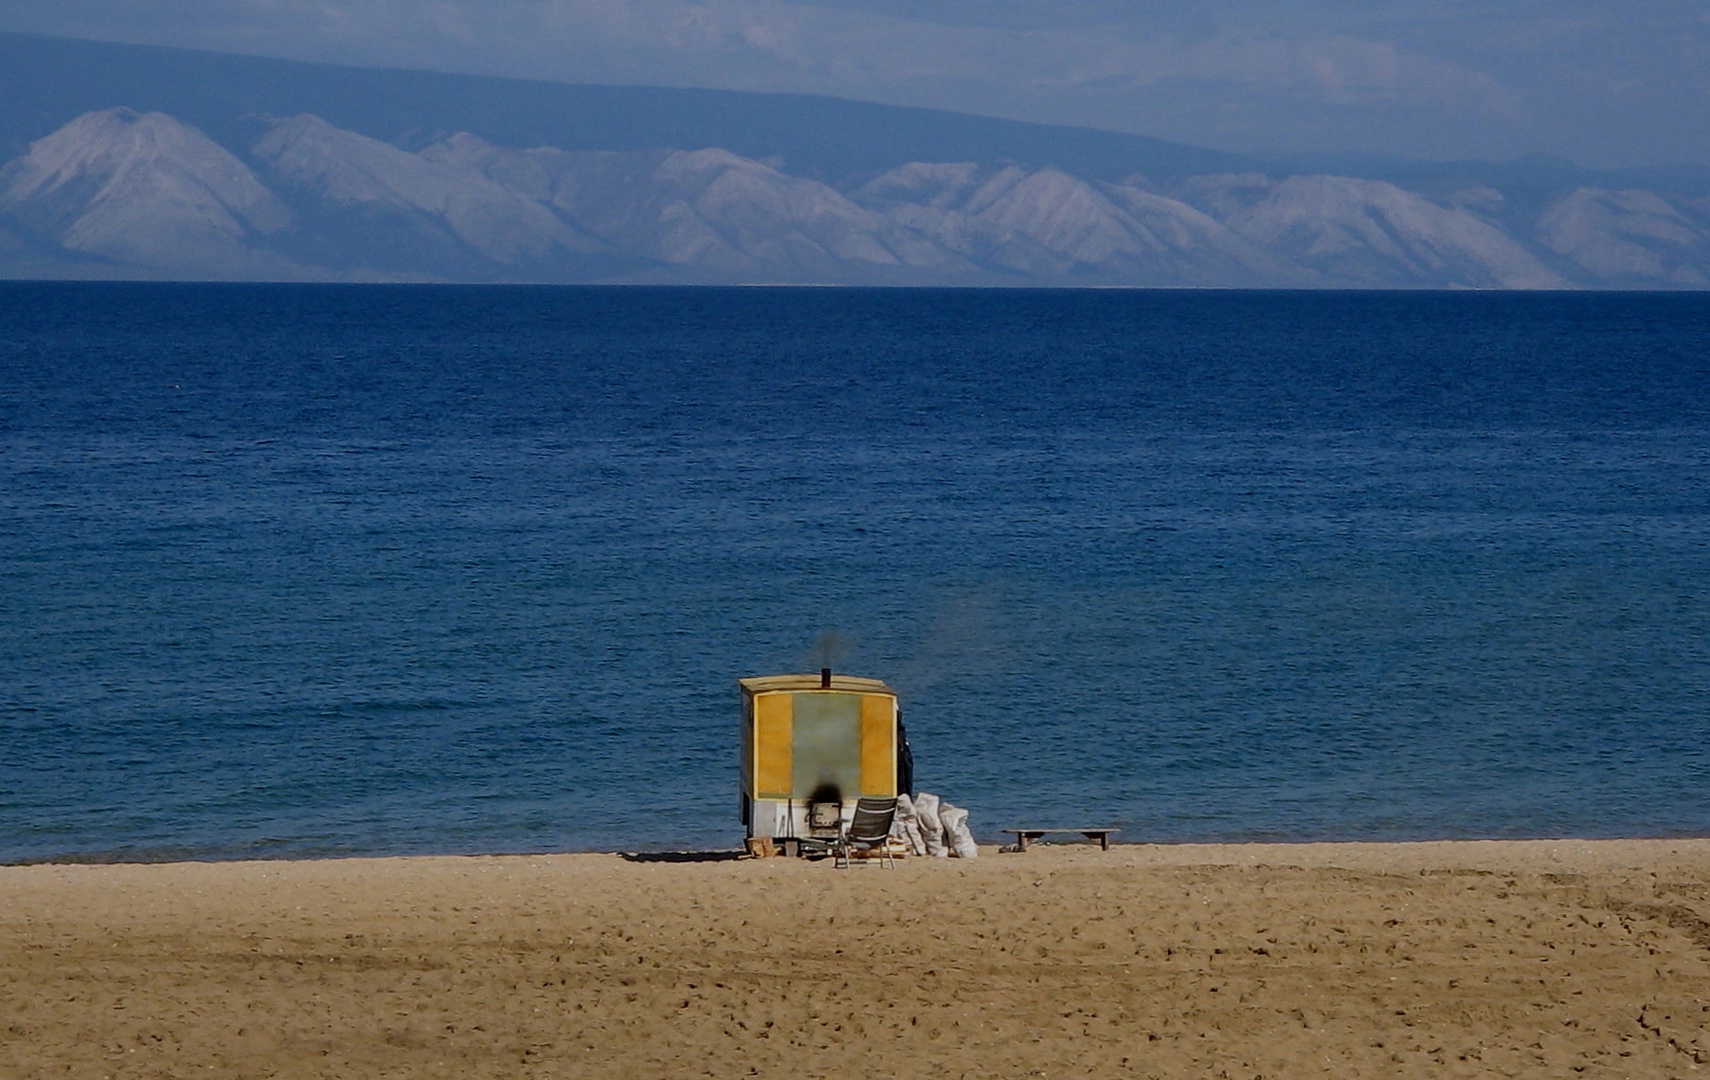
<point>870,828</point>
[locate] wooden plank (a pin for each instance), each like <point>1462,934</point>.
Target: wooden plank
<point>1102,835</point>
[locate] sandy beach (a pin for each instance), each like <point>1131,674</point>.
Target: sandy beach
<point>1545,958</point>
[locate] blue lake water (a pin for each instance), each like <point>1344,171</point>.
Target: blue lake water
<point>319,570</point>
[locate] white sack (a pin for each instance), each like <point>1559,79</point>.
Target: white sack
<point>931,829</point>
<point>956,834</point>
<point>907,826</point>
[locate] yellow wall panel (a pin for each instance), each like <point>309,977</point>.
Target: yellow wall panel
<point>773,720</point>
<point>878,745</point>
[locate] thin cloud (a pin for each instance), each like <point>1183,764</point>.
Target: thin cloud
<point>1582,78</point>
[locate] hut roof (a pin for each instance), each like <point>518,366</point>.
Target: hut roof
<point>845,683</point>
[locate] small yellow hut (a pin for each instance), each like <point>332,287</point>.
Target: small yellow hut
<point>811,746</point>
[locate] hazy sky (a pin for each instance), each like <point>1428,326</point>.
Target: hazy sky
<point>1602,83</point>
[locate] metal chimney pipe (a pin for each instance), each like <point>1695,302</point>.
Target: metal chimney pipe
<point>825,678</point>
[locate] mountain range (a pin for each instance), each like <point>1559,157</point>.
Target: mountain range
<point>131,162</point>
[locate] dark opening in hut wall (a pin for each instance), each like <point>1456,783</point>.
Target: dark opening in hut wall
<point>825,809</point>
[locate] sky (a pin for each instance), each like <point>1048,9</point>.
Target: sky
<point>1603,84</point>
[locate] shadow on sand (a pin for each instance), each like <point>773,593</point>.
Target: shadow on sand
<point>680,856</point>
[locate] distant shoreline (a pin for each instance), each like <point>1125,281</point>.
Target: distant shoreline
<point>1305,853</point>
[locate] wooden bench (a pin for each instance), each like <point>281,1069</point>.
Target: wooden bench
<point>1022,836</point>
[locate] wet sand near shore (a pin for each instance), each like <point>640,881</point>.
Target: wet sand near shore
<point>1536,958</point>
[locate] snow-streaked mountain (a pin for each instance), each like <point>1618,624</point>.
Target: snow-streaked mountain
<point>119,193</point>
<point>930,198</point>
<point>435,210</point>
<point>1047,221</point>
<point>705,208</point>
<point>1368,232</point>
<point>1630,237</point>
<point>146,190</point>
